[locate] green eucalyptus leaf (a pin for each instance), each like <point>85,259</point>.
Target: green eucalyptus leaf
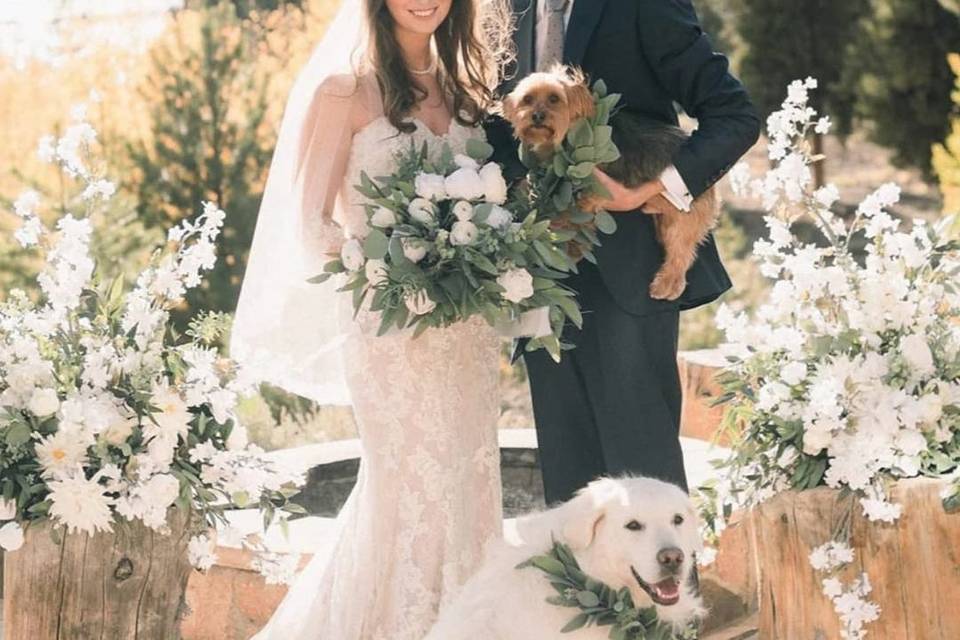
<point>478,149</point>
<point>375,245</point>
<point>581,170</point>
<point>605,222</point>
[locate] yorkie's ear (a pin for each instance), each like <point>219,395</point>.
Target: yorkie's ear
<point>507,107</point>
<point>579,96</point>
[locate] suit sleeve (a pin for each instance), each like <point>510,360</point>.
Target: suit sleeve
<point>699,79</point>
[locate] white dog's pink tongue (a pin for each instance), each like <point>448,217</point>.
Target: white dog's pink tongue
<point>667,589</point>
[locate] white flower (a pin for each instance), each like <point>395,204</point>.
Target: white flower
<point>430,186</point>
<point>79,504</point>
<point>120,426</point>
<point>463,210</point>
<point>8,509</point>
<point>376,272</point>
<point>102,189</point>
<point>463,233</point>
<point>383,218</point>
<point>827,195</point>
<point>11,536</point>
<point>464,184</point>
<point>880,510</point>
<point>351,254</point>
<point>494,186</point>
<point>172,416</point>
<point>44,402</point>
<point>238,438</point>
<point>794,373</point>
<point>823,125</point>
<point>62,452</point>
<point>422,211</point>
<point>200,552</point>
<point>414,249</point>
<point>916,352</point>
<point>149,501</point>
<point>517,284</point>
<point>277,568</point>
<point>499,218</point>
<point>832,587</point>
<point>419,303</point>
<point>465,161</point>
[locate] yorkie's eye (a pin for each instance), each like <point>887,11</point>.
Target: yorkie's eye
<point>553,99</point>
<point>678,520</point>
<point>527,99</point>
<point>633,525</point>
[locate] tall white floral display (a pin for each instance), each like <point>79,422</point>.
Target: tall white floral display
<point>119,449</point>
<point>844,393</point>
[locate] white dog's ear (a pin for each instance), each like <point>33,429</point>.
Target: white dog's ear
<point>586,511</point>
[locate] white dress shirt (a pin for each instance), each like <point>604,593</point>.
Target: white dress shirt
<point>675,189</point>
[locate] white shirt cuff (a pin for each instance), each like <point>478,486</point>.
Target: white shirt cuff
<point>676,189</point>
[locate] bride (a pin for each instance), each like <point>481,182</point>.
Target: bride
<point>388,73</point>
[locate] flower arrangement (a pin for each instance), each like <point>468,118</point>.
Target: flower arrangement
<point>849,375</point>
<point>445,244</point>
<point>106,414</point>
<point>556,187</point>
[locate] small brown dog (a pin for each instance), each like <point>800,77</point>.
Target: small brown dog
<point>542,108</point>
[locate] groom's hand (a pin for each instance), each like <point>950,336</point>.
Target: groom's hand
<point>624,198</point>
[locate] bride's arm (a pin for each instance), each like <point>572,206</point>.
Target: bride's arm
<point>323,151</point>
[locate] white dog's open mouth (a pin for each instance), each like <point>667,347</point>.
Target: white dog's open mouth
<point>665,593</point>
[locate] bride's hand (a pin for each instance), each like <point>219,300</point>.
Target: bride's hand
<point>624,198</point>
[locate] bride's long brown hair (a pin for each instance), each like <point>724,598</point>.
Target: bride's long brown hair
<point>473,44</point>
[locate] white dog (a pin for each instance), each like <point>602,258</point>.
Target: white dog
<point>637,533</point>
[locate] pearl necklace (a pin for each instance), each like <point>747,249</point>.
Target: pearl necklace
<point>430,69</point>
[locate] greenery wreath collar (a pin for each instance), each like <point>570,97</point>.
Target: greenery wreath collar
<point>599,604</point>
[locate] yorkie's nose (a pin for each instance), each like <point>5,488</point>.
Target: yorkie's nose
<point>539,117</point>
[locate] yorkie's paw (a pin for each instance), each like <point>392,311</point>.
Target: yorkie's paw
<point>668,285</point>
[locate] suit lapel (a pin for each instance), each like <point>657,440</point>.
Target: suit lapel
<point>583,20</point>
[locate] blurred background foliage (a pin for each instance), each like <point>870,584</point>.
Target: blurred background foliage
<point>191,114</point>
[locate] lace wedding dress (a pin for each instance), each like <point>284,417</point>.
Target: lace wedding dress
<point>427,498</point>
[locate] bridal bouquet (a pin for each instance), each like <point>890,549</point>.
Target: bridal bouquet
<point>555,187</point>
<point>445,244</point>
<point>105,414</point>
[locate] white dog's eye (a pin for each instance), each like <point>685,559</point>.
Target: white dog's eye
<point>633,525</point>
<point>678,520</point>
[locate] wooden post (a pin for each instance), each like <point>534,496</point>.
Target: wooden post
<point>125,585</point>
<point>913,564</point>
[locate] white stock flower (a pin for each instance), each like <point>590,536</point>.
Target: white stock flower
<point>880,510</point>
<point>917,354</point>
<point>44,402</point>
<point>463,233</point>
<point>376,272</point>
<point>276,568</point>
<point>149,500</point>
<point>351,254</point>
<point>423,211</point>
<point>499,218</point>
<point>414,249</point>
<point>463,210</point>
<point>419,303</point>
<point>494,185</point>
<point>11,536</point>
<point>383,218</point>
<point>794,373</point>
<point>517,284</point>
<point>79,504</point>
<point>464,184</point>
<point>200,552</point>
<point>430,186</point>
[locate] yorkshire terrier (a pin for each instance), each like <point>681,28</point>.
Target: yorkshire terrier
<point>542,109</point>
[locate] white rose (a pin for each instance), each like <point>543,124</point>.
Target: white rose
<point>517,284</point>
<point>11,536</point>
<point>494,186</point>
<point>376,271</point>
<point>43,402</point>
<point>414,249</point>
<point>421,210</point>
<point>419,303</point>
<point>464,184</point>
<point>816,440</point>
<point>351,254</point>
<point>916,352</point>
<point>430,186</point>
<point>465,161</point>
<point>463,233</point>
<point>463,210</point>
<point>499,217</point>
<point>794,373</point>
<point>119,429</point>
<point>8,509</point>
<point>383,218</point>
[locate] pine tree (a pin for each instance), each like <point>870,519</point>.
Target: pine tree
<point>786,40</point>
<point>902,79</point>
<point>209,140</point>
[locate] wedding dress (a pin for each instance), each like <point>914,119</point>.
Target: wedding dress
<point>427,497</point>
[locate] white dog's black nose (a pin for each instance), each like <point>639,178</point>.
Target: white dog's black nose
<point>670,558</point>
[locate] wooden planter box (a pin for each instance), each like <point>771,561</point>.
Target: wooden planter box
<point>125,585</point>
<point>913,564</point>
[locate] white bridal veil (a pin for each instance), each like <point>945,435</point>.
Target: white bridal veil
<point>286,330</point>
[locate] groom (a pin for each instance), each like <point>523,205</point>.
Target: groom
<point>612,405</point>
